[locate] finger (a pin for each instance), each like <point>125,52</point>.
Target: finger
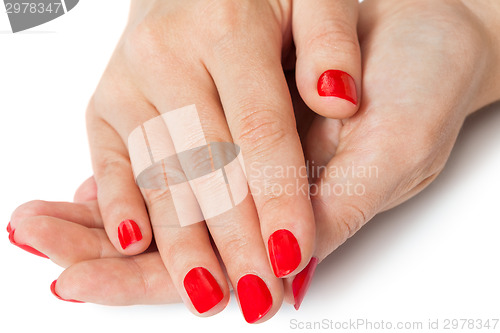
<point>233,224</point>
<point>354,187</point>
<point>86,214</point>
<point>297,286</point>
<point>120,201</point>
<point>257,105</point>
<point>87,191</point>
<point>64,242</point>
<point>175,143</point>
<point>140,279</point>
<point>187,251</point>
<point>356,184</point>
<point>188,256</point>
<point>328,67</point>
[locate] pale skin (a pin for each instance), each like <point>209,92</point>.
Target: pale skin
<point>426,66</point>
<point>162,63</point>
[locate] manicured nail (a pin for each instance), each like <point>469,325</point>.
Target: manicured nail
<point>53,290</point>
<point>9,228</point>
<point>302,281</point>
<point>202,289</point>
<point>338,84</point>
<point>26,248</point>
<point>255,298</point>
<point>128,233</point>
<point>284,252</point>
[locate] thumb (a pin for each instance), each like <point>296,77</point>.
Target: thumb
<point>354,186</point>
<point>328,69</point>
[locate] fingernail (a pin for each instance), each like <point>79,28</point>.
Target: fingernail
<point>53,290</point>
<point>302,281</point>
<point>9,228</point>
<point>128,233</point>
<point>255,298</point>
<point>26,248</point>
<point>337,84</point>
<point>284,252</point>
<point>202,289</point>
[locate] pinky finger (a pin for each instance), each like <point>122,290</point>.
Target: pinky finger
<point>142,279</point>
<point>120,201</point>
<point>64,242</point>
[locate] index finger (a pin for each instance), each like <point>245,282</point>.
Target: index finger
<point>258,108</point>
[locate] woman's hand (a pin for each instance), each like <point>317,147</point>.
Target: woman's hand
<point>225,58</point>
<point>72,235</point>
<point>426,66</point>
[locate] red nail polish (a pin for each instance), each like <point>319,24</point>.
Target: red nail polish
<point>202,289</point>
<point>302,281</point>
<point>255,298</point>
<point>284,252</point>
<point>9,228</point>
<point>26,248</point>
<point>338,84</point>
<point>53,290</point>
<point>128,233</point>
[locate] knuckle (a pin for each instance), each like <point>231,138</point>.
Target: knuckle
<point>235,244</point>
<point>351,219</point>
<point>198,163</point>
<point>144,36</point>
<point>32,227</point>
<point>273,200</point>
<point>157,197</point>
<point>152,40</point>
<point>107,165</point>
<point>260,131</point>
<point>331,35</point>
<point>30,209</point>
<point>142,277</point>
<point>343,218</point>
<point>228,15</point>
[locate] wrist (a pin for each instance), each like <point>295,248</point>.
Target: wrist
<point>487,17</point>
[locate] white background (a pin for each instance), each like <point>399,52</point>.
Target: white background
<point>437,256</point>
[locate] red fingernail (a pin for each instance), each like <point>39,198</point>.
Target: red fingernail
<point>255,298</point>
<point>9,228</point>
<point>338,84</point>
<point>26,248</point>
<point>302,281</point>
<point>128,233</point>
<point>53,290</point>
<point>202,289</point>
<point>284,252</point>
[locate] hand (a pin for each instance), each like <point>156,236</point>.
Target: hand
<point>226,59</point>
<point>381,34</point>
<point>426,65</point>
<point>72,235</point>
